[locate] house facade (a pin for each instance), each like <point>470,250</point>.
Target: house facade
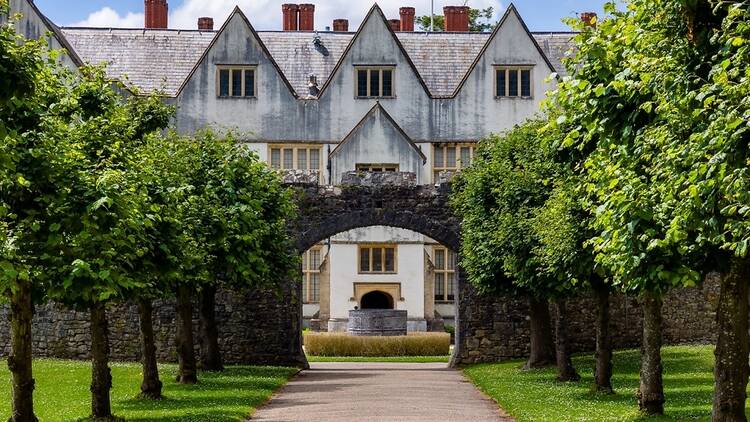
<point>383,98</point>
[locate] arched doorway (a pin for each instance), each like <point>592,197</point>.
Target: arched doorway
<point>376,300</point>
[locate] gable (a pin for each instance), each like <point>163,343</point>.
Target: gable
<point>34,25</point>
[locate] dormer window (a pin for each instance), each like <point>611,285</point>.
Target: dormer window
<point>374,82</point>
<point>513,82</point>
<point>235,82</point>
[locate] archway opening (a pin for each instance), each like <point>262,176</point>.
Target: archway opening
<point>376,300</point>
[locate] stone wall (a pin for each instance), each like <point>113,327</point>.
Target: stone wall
<point>496,328</point>
<point>253,329</point>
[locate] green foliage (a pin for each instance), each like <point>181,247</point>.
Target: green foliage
<point>535,396</point>
<point>480,20</point>
<point>63,392</point>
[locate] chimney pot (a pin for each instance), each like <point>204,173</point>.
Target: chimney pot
<point>456,18</point>
<point>206,24</point>
<point>395,24</point>
<point>588,19</point>
<point>306,17</point>
<point>407,18</point>
<point>291,18</point>
<point>157,14</point>
<point>341,25</point>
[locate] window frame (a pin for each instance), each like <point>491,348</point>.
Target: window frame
<point>377,167</point>
<point>513,68</point>
<point>308,291</point>
<point>382,247</point>
<point>370,69</point>
<point>295,156</point>
<point>445,272</point>
<point>231,69</point>
<point>437,169</point>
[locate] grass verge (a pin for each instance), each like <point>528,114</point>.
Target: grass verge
<point>392,359</point>
<point>62,392</point>
<point>535,396</point>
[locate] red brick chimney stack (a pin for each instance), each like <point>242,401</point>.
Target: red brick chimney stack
<point>589,19</point>
<point>291,12</point>
<point>395,24</point>
<point>407,18</point>
<point>456,18</point>
<point>206,24</point>
<point>341,25</point>
<point>306,17</point>
<point>157,14</point>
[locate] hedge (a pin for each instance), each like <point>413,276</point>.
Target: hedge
<point>341,344</point>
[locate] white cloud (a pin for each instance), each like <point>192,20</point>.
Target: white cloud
<point>266,14</point>
<point>109,18</point>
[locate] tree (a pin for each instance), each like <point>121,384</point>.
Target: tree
<point>33,164</point>
<point>480,20</point>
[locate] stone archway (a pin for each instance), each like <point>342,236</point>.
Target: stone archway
<point>376,300</point>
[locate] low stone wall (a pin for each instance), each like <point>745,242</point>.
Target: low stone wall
<point>260,328</point>
<point>496,328</point>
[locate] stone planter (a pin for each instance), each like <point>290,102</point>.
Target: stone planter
<point>377,322</point>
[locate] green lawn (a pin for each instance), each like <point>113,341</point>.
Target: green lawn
<point>62,393</point>
<point>394,359</point>
<point>535,396</point>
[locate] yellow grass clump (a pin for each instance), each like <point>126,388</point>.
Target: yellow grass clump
<point>342,344</point>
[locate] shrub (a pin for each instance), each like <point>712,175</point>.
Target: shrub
<point>341,344</point>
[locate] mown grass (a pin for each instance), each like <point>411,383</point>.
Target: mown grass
<point>535,396</point>
<point>381,359</point>
<point>62,393</point>
<point>342,344</point>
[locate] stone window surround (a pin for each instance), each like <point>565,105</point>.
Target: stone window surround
<point>445,272</point>
<point>444,166</point>
<point>377,167</point>
<point>237,67</point>
<point>308,272</point>
<point>370,69</point>
<point>513,68</point>
<point>382,247</point>
<point>295,155</point>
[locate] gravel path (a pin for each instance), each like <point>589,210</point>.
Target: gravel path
<point>379,392</point>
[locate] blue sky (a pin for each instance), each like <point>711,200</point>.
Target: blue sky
<point>540,15</point>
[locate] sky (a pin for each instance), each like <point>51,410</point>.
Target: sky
<point>540,15</point>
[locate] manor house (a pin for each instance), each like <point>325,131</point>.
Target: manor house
<point>324,104</point>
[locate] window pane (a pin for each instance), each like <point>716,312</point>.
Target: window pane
<point>306,261</point>
<point>377,259</point>
<point>439,158</point>
<point>362,83</point>
<point>451,285</point>
<point>302,159</point>
<point>224,83</point>
<point>390,259</point>
<point>451,157</point>
<point>513,83</point>
<point>451,260</point>
<point>276,158</point>
<point>374,83</point>
<point>439,259</point>
<point>306,296</point>
<point>249,83</point>
<point>465,157</point>
<point>364,259</point>
<point>315,259</point>
<point>439,286</point>
<point>387,83</point>
<point>315,159</point>
<point>500,73</point>
<point>391,169</point>
<point>315,287</point>
<point>236,82</point>
<point>288,159</point>
<point>526,83</point>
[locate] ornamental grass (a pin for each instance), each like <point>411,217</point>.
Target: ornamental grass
<point>342,344</point>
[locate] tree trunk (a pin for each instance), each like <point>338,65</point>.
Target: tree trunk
<point>603,355</point>
<point>210,352</point>
<point>101,377</point>
<point>565,370</point>
<point>542,348</point>
<point>731,369</point>
<point>651,391</point>
<point>185,351</point>
<point>151,385</point>
<point>19,361</point>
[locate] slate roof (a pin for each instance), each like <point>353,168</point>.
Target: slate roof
<point>162,59</point>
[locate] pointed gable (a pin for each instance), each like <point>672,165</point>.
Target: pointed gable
<point>35,25</point>
<point>377,139</point>
<point>375,43</point>
<point>237,43</point>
